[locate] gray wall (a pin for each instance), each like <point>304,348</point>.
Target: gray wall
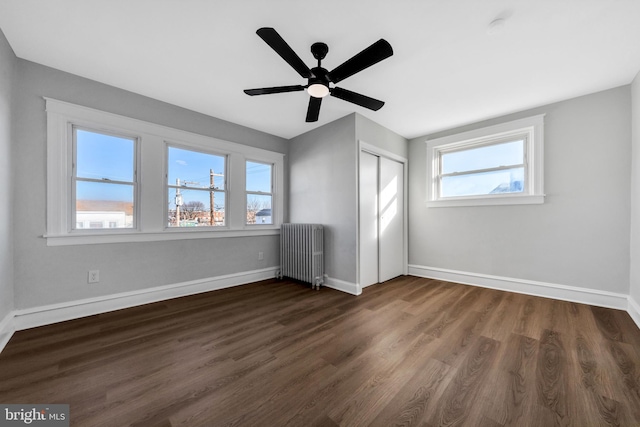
<point>323,184</point>
<point>322,173</point>
<point>578,237</point>
<point>635,191</point>
<point>7,78</point>
<point>47,275</point>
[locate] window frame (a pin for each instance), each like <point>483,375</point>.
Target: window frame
<point>259,193</point>
<point>226,181</point>
<point>73,226</point>
<point>151,224</point>
<point>529,129</point>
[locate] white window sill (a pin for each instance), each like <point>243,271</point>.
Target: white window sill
<point>487,201</point>
<point>137,236</point>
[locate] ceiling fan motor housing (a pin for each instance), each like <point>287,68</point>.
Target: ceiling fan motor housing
<point>318,86</point>
<point>320,76</point>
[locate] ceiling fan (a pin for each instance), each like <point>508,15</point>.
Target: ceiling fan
<point>318,78</point>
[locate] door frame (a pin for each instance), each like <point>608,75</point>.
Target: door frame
<point>380,152</point>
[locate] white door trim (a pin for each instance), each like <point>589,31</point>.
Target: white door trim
<point>377,151</point>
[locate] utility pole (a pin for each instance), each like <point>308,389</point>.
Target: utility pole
<point>212,220</point>
<point>212,186</point>
<point>178,202</point>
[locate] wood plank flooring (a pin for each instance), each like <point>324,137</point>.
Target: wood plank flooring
<point>409,352</point>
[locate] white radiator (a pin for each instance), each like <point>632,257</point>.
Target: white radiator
<point>301,253</point>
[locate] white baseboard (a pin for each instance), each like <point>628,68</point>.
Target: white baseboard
<point>529,287</point>
<point>634,310</point>
<point>6,330</point>
<point>341,285</point>
<point>48,314</point>
<point>45,315</point>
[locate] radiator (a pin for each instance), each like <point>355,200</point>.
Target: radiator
<point>301,253</point>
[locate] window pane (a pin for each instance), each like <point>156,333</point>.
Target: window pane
<point>259,209</point>
<point>101,156</point>
<point>192,208</point>
<point>258,177</point>
<point>195,170</point>
<point>504,181</point>
<point>103,205</point>
<point>491,156</point>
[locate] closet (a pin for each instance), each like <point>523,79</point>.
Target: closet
<point>381,218</point>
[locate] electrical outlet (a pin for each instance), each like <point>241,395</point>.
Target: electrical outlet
<point>94,276</point>
<point>260,256</point>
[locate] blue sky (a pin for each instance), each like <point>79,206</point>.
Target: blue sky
<point>103,156</point>
<point>510,153</point>
<point>100,156</point>
<point>506,154</point>
<point>193,168</point>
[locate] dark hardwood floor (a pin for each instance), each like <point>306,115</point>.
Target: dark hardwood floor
<point>411,352</point>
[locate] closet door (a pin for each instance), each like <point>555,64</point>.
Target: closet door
<point>381,219</point>
<point>391,219</point>
<point>368,219</point>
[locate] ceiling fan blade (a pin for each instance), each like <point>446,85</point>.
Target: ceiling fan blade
<point>277,43</point>
<point>372,55</point>
<point>313,111</point>
<point>356,98</point>
<point>270,90</point>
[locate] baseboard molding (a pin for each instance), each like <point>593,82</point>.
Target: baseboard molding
<point>341,285</point>
<point>48,314</point>
<point>529,287</point>
<point>45,315</point>
<point>6,330</point>
<point>634,310</point>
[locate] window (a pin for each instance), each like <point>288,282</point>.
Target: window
<point>196,188</point>
<point>495,165</point>
<point>114,179</point>
<point>495,168</point>
<point>104,180</point>
<point>259,193</point>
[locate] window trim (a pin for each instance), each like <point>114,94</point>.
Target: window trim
<point>259,193</point>
<point>225,190</point>
<point>72,224</point>
<point>152,138</point>
<point>532,128</point>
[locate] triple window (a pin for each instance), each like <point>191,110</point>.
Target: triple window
<point>115,179</point>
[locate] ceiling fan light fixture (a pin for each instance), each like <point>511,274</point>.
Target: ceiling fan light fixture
<point>318,90</point>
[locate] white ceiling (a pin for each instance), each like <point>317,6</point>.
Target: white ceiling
<point>447,70</point>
